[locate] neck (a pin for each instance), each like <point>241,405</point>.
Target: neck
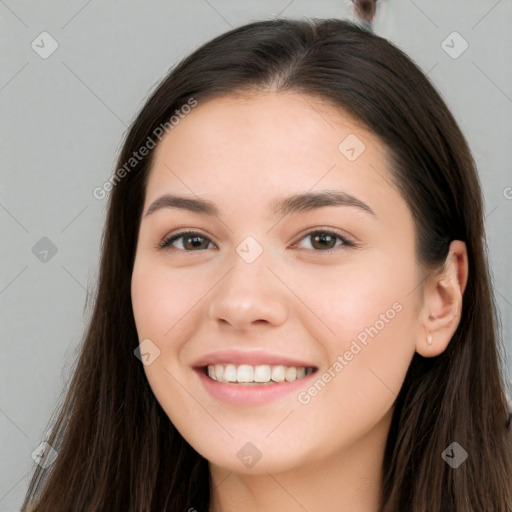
<point>349,480</point>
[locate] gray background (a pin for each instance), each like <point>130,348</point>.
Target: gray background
<point>62,121</point>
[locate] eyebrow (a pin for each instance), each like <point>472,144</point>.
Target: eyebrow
<point>295,203</point>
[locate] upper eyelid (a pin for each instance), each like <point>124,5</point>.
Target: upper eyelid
<point>325,229</point>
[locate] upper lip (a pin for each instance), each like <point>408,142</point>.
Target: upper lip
<point>248,357</point>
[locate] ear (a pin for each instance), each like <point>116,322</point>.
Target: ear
<point>442,301</point>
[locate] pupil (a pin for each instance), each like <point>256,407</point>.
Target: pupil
<point>195,241</point>
<point>323,237</point>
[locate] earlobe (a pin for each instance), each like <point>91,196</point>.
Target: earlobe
<point>442,302</point>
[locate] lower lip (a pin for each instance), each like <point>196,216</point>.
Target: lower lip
<point>240,394</point>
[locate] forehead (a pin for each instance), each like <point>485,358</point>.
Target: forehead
<point>268,145</point>
<point>293,116</point>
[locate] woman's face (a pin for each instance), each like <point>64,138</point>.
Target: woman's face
<point>268,287</point>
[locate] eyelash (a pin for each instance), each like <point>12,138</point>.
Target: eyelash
<point>166,244</point>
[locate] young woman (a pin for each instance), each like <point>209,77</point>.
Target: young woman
<point>294,310</point>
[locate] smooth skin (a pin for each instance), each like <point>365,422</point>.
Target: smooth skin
<point>303,298</point>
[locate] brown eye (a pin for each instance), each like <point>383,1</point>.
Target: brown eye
<point>326,240</point>
<point>190,241</point>
<point>323,240</point>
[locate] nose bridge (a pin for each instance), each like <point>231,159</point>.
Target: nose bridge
<point>249,292</point>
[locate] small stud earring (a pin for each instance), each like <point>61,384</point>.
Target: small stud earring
<point>429,339</point>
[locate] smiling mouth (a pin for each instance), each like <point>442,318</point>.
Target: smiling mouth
<point>249,375</point>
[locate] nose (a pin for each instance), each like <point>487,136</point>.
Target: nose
<point>249,294</point>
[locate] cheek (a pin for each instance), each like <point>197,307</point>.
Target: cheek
<point>149,301</point>
<point>346,299</point>
<point>160,299</point>
<point>163,312</point>
<point>365,313</point>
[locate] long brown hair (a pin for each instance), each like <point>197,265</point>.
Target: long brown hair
<point>118,450</point>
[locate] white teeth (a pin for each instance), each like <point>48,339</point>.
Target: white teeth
<point>290,374</point>
<point>245,373</point>
<point>219,370</point>
<point>278,373</point>
<point>263,373</point>
<point>230,373</point>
